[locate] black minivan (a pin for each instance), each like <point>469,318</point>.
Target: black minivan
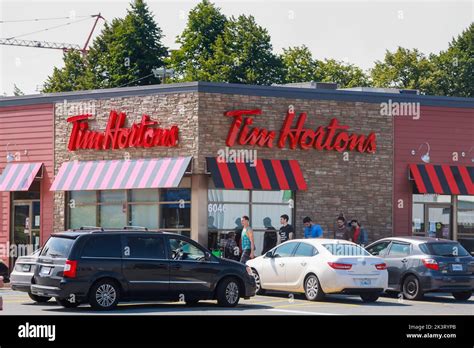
<point>104,267</point>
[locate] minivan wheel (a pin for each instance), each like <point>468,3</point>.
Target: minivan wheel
<point>462,296</point>
<point>312,289</point>
<point>66,303</point>
<point>411,288</point>
<point>39,299</point>
<point>104,295</point>
<point>370,297</point>
<point>228,293</point>
<point>258,282</point>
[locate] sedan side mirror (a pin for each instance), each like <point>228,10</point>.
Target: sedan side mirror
<point>269,254</point>
<point>207,256</point>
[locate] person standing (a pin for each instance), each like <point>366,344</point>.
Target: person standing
<point>312,230</point>
<point>231,250</point>
<point>341,231</point>
<point>269,237</point>
<point>248,244</point>
<point>286,231</point>
<point>358,233</point>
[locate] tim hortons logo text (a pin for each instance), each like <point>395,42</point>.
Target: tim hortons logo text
<point>331,137</point>
<point>143,134</point>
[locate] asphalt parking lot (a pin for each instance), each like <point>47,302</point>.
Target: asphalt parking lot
<point>18,303</point>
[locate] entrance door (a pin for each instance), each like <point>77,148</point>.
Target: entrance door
<point>438,220</point>
<point>26,227</point>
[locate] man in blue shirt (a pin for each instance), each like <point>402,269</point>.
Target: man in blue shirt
<point>312,230</point>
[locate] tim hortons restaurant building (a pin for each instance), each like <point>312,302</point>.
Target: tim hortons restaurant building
<point>194,157</point>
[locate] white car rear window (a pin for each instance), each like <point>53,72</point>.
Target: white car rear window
<point>344,249</point>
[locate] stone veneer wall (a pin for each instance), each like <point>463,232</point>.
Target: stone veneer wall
<point>169,109</point>
<point>360,187</point>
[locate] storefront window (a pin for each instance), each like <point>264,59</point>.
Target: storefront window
<point>226,208</point>
<point>418,222</point>
<point>152,208</point>
<point>82,208</point>
<point>431,198</point>
<point>465,216</point>
<point>216,195</point>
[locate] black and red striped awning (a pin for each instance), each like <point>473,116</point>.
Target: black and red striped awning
<point>265,175</point>
<point>443,179</point>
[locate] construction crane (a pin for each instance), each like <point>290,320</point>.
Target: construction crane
<point>53,45</point>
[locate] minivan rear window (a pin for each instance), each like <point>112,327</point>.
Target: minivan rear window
<point>345,249</point>
<point>452,249</point>
<point>103,246</point>
<point>57,247</point>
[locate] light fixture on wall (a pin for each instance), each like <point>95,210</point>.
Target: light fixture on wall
<point>10,156</point>
<point>464,154</point>
<point>426,157</point>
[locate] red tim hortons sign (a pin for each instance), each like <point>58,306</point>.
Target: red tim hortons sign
<point>334,136</point>
<point>116,136</point>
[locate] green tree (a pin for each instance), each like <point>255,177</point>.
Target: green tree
<point>244,54</point>
<point>404,68</point>
<point>69,78</point>
<point>344,74</point>
<point>454,68</point>
<point>124,53</point>
<point>299,65</point>
<point>205,24</point>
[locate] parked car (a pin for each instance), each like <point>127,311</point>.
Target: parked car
<point>4,271</point>
<point>103,268</point>
<point>23,273</point>
<point>418,265</point>
<point>318,267</point>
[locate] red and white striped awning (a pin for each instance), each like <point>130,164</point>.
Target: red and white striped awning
<point>120,174</point>
<point>19,176</point>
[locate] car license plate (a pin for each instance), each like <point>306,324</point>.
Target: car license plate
<point>45,270</point>
<point>365,282</point>
<point>457,267</point>
<point>26,268</point>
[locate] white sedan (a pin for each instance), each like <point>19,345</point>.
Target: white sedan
<point>320,266</point>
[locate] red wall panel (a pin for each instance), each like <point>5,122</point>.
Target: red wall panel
<point>28,128</point>
<point>447,130</point>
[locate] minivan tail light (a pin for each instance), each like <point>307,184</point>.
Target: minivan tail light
<point>70,269</point>
<point>381,266</point>
<point>431,264</point>
<point>337,265</point>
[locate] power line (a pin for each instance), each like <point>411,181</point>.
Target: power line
<point>50,28</point>
<point>141,78</point>
<point>41,19</point>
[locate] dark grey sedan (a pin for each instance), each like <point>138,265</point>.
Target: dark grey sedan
<point>418,265</point>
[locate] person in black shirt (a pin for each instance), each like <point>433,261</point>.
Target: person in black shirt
<point>287,231</point>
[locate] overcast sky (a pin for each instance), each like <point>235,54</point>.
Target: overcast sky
<point>355,31</point>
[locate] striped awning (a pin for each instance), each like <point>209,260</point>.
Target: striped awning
<point>265,175</point>
<point>443,179</point>
<point>19,176</point>
<point>120,174</point>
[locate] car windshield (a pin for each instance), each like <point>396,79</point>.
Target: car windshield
<point>449,249</point>
<point>345,249</point>
<point>57,247</point>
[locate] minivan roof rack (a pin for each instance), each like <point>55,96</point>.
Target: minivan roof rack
<point>135,227</point>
